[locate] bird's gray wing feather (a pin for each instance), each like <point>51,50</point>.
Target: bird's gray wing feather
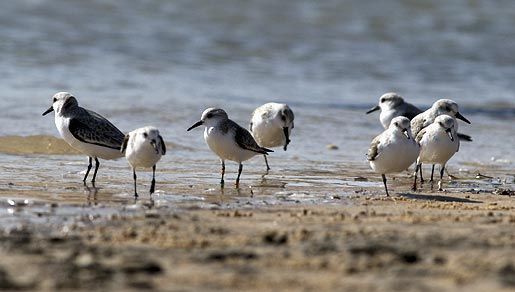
<point>124,144</point>
<point>417,124</point>
<point>420,134</point>
<point>411,111</point>
<point>90,127</point>
<point>245,140</point>
<point>163,146</point>
<point>373,151</point>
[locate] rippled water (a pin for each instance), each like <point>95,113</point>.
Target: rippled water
<point>163,62</point>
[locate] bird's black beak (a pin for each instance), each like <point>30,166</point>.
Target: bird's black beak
<point>197,124</point>
<point>459,116</point>
<point>405,132</point>
<point>287,136</point>
<point>51,109</point>
<point>153,143</point>
<point>375,108</point>
<point>449,133</point>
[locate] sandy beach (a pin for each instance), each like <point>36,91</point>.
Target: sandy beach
<point>358,240</point>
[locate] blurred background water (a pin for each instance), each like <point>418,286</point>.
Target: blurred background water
<point>164,62</point>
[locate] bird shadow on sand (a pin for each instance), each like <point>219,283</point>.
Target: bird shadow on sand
<point>438,198</point>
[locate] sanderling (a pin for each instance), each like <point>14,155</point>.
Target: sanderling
<point>227,139</point>
<point>440,107</point>
<point>271,126</point>
<point>394,150</point>
<point>144,147</point>
<point>393,105</point>
<point>86,131</point>
<point>438,144</point>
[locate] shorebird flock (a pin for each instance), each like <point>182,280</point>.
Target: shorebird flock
<point>430,137</point>
<point>411,136</point>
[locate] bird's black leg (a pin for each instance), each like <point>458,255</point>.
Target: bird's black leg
<point>97,164</point>
<point>223,173</point>
<point>240,168</point>
<point>432,173</point>
<point>267,166</point>
<point>385,187</point>
<point>134,177</point>
<point>89,168</point>
<point>153,184</point>
<point>441,176</point>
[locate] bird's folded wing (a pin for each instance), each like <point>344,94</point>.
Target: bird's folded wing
<point>373,151</point>
<point>94,129</point>
<point>245,140</point>
<point>420,134</point>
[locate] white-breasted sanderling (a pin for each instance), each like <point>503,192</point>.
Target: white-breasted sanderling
<point>394,150</point>
<point>144,147</point>
<point>424,119</point>
<point>228,140</point>
<point>271,126</point>
<point>393,105</point>
<point>438,143</point>
<point>85,130</point>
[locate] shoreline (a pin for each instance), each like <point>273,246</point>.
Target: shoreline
<point>351,237</point>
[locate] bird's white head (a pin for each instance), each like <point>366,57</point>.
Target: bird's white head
<point>210,117</point>
<point>401,124</point>
<point>61,103</point>
<point>447,123</point>
<point>448,107</point>
<point>284,120</point>
<point>151,136</point>
<point>387,101</point>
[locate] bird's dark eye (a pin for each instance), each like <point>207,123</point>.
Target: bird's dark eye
<point>283,118</point>
<point>209,116</point>
<point>396,124</point>
<point>447,108</point>
<point>383,100</point>
<point>145,135</point>
<point>441,125</point>
<point>55,99</point>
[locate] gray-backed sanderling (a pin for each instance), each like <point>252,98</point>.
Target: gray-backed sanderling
<point>271,126</point>
<point>86,131</point>
<point>228,140</point>
<point>144,147</point>
<point>440,107</point>
<point>438,143</point>
<point>394,150</point>
<point>393,105</point>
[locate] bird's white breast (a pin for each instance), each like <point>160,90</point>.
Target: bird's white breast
<point>224,145</point>
<point>396,154</point>
<point>436,146</point>
<point>140,153</point>
<point>267,133</point>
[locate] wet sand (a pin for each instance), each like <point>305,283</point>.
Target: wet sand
<point>331,230</point>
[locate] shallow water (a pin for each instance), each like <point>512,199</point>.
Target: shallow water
<point>163,62</point>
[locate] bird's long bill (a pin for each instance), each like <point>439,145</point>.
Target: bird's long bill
<point>197,124</point>
<point>449,133</point>
<point>153,144</point>
<point>51,109</point>
<point>459,116</point>
<point>375,108</point>
<point>287,136</point>
<point>405,132</point>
